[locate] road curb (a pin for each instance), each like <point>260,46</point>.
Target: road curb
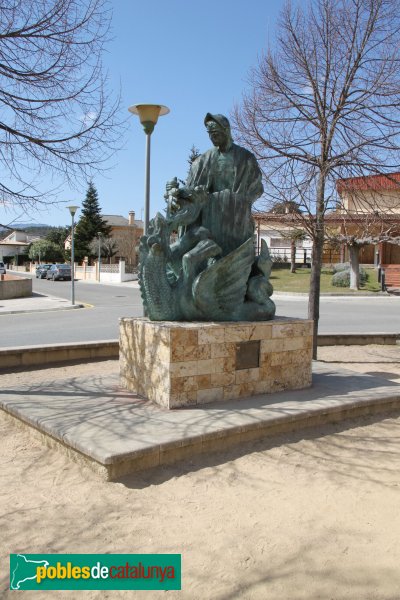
<point>39,310</point>
<point>336,294</point>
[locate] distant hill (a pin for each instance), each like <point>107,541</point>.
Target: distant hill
<point>34,228</point>
<point>21,225</point>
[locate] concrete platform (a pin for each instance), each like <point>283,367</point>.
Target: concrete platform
<point>115,432</point>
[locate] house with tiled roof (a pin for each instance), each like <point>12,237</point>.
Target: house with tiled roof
<point>367,205</point>
<point>373,193</point>
<point>15,243</point>
<point>371,205</point>
<point>126,232</point>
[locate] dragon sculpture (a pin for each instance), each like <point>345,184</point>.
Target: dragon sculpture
<point>190,278</point>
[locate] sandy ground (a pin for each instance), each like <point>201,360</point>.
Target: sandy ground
<point>381,361</point>
<point>308,516</point>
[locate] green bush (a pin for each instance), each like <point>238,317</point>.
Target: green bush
<point>342,278</point>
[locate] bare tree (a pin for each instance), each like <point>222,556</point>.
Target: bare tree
<point>109,248</point>
<point>325,104</point>
<point>128,243</point>
<point>294,235</point>
<point>56,114</point>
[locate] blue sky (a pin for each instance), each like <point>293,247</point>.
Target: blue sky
<point>193,57</point>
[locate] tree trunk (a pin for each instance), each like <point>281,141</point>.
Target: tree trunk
<point>315,289</point>
<point>292,256</point>
<point>318,247</point>
<point>354,267</point>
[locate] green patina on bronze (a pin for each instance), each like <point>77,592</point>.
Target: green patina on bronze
<point>210,272</point>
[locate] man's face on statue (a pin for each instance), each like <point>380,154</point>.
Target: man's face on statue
<point>217,134</point>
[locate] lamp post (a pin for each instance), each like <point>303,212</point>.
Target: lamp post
<point>72,209</point>
<point>99,236</point>
<point>148,115</point>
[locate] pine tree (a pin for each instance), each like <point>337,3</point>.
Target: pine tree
<point>90,224</point>
<point>194,153</point>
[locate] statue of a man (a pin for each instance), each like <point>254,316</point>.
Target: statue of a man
<point>211,270</point>
<point>231,177</point>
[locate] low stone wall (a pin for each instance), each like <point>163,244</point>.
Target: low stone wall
<point>12,286</point>
<point>42,356</point>
<point>358,339</point>
<point>178,364</point>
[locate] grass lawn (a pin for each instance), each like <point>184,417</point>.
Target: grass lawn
<point>285,281</point>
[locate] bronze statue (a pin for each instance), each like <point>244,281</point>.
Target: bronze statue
<point>211,271</point>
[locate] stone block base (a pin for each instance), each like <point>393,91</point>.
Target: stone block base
<point>177,364</point>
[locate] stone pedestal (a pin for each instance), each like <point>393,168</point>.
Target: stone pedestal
<point>177,364</point>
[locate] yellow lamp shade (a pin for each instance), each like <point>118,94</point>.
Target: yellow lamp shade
<point>149,112</point>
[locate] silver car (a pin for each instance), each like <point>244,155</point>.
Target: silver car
<point>2,268</point>
<point>41,271</point>
<point>59,272</point>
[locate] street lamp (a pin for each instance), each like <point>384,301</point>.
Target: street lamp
<point>148,115</point>
<point>72,209</point>
<point>99,236</point>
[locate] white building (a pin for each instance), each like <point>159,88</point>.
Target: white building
<point>16,242</point>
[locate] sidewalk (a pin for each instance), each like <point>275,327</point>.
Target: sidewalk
<point>35,303</point>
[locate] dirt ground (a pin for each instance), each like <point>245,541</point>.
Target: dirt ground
<point>308,516</point>
<point>378,360</point>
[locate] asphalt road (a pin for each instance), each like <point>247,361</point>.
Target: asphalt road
<point>97,322</point>
<point>109,303</point>
<point>363,314</point>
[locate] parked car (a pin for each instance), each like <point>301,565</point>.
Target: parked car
<point>41,271</point>
<point>59,272</point>
<point>2,268</point>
